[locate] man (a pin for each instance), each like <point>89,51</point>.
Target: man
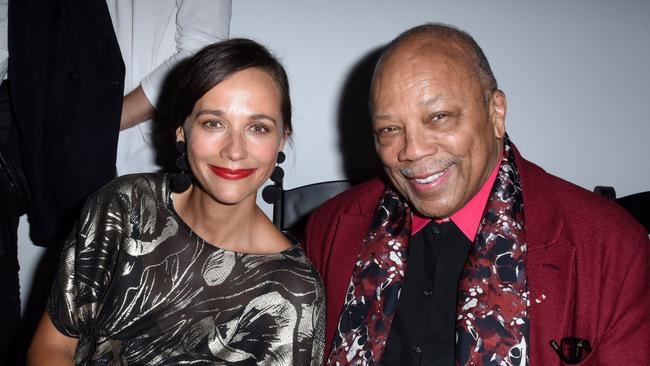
<point>468,253</point>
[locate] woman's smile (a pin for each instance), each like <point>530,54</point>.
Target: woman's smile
<point>233,174</point>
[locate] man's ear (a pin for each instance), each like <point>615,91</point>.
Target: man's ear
<point>180,134</point>
<point>498,107</point>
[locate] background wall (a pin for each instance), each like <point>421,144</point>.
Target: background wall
<point>575,72</point>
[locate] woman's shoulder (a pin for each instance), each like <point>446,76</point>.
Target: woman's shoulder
<point>136,185</point>
<point>127,191</point>
<point>139,181</point>
<point>296,253</point>
<point>295,260</point>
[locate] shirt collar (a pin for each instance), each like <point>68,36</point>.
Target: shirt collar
<point>469,216</point>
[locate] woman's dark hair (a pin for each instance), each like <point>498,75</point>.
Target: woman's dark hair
<point>217,62</point>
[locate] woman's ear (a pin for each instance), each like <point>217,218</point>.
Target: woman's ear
<point>180,134</point>
<point>283,141</point>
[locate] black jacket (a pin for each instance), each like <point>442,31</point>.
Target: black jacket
<point>67,83</point>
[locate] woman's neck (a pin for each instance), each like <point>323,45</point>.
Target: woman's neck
<point>226,226</point>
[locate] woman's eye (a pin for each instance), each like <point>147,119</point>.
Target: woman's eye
<point>259,128</point>
<point>212,124</point>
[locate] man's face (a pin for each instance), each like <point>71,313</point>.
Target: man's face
<point>434,132</point>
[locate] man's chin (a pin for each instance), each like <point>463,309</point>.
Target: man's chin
<point>431,209</point>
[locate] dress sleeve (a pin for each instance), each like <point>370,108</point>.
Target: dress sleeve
<point>85,267</point>
<point>310,337</point>
<point>318,341</point>
<point>198,24</point>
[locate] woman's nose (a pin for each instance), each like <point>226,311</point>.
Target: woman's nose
<point>235,147</point>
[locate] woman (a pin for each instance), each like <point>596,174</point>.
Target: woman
<point>159,272</point>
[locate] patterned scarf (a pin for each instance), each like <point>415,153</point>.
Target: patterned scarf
<point>492,322</point>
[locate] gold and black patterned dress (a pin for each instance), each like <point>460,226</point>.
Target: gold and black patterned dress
<point>136,286</point>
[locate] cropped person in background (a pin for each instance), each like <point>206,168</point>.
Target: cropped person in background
<point>169,269</point>
<point>468,254</point>
<point>12,205</point>
<point>154,37</point>
<point>66,87</point>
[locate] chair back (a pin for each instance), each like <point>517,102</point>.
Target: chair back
<point>296,204</point>
<point>638,205</point>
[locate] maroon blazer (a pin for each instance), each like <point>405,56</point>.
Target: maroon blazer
<point>588,266</point>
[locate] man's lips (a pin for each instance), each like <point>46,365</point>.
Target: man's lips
<point>429,179</point>
<point>233,174</point>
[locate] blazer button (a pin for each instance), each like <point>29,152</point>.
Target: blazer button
<point>426,292</point>
<point>417,349</point>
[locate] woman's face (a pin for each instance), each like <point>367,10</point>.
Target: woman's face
<point>234,134</point>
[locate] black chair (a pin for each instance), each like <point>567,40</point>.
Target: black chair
<point>638,205</point>
<point>292,207</point>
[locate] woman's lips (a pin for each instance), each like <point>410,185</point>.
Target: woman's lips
<point>232,174</point>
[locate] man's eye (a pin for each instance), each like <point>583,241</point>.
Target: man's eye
<point>439,116</point>
<point>387,130</point>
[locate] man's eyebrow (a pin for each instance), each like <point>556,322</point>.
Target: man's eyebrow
<point>383,117</point>
<point>431,100</point>
<point>422,103</point>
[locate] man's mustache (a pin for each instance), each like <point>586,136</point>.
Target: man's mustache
<point>428,167</point>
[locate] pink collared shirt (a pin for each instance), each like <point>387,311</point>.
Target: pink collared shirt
<point>469,216</point>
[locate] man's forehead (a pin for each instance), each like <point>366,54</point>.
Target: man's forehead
<point>423,64</point>
<point>429,50</point>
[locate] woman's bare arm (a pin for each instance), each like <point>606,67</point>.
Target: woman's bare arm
<point>50,347</point>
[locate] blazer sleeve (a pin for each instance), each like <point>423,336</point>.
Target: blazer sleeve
<point>626,338</point>
<point>318,238</point>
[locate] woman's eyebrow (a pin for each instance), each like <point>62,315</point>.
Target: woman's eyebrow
<point>264,116</point>
<point>214,112</point>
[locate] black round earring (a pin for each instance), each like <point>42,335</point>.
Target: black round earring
<point>272,193</point>
<point>182,180</point>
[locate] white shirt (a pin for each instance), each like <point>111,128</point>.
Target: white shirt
<point>154,35</point>
<point>4,49</point>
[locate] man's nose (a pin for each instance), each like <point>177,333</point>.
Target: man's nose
<point>416,144</point>
<point>234,147</point>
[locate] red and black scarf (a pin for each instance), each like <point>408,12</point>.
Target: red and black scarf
<point>492,322</point>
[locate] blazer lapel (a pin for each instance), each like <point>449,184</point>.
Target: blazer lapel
<point>551,280</point>
<point>343,257</point>
<point>550,268</point>
<point>349,235</point>
<point>98,12</point>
